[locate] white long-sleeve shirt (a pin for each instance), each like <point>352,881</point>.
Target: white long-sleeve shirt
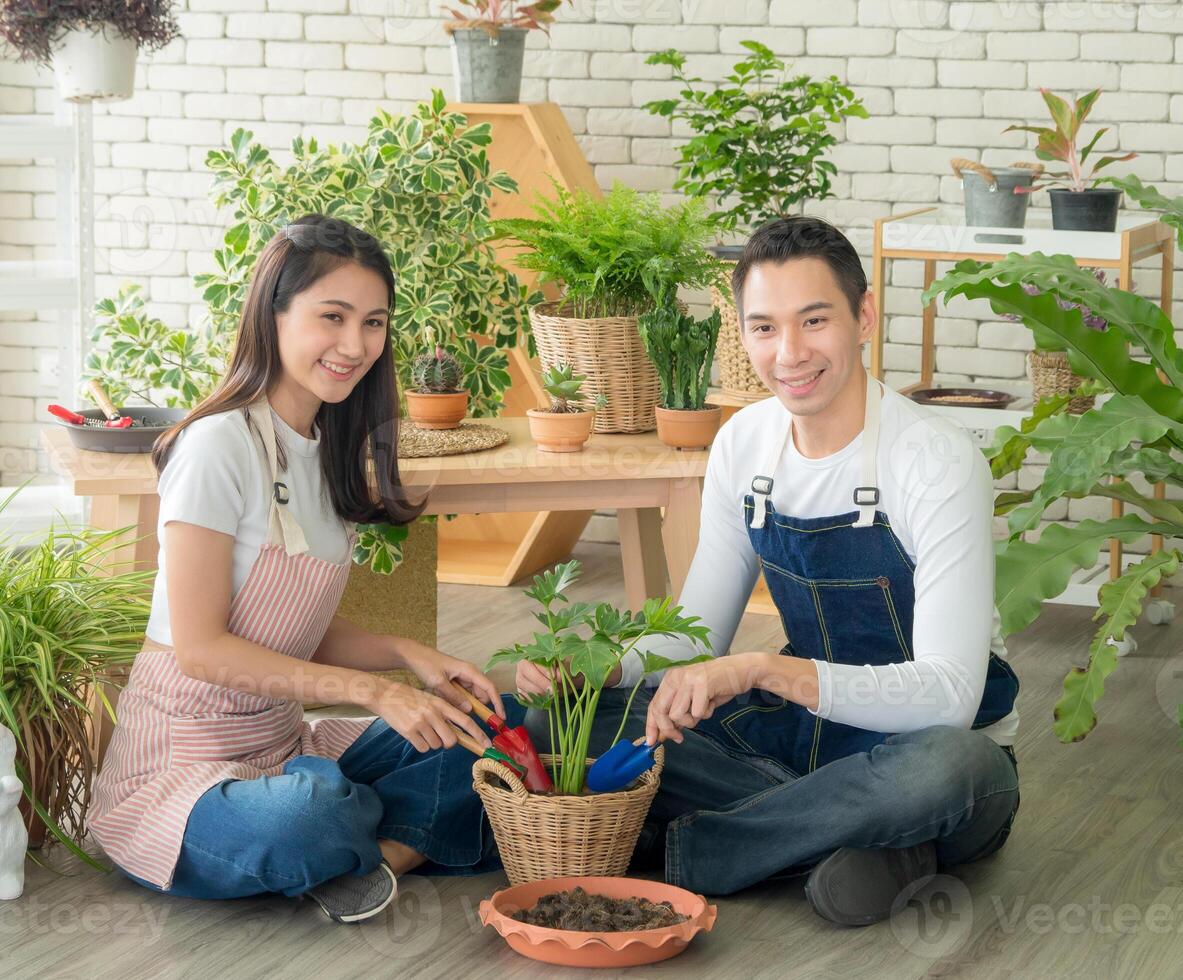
<point>936,490</point>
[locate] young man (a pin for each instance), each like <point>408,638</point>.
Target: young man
<point>876,743</point>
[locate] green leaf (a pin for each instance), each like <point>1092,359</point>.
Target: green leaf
<point>1120,605</point>
<point>651,663</point>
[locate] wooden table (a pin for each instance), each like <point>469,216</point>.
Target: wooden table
<point>636,474</point>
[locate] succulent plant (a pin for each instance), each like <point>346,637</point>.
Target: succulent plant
<point>682,350</point>
<point>436,373</point>
<point>564,385</point>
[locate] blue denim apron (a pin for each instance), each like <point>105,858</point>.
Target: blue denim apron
<point>844,588</point>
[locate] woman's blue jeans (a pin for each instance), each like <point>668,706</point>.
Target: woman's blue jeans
<point>323,818</point>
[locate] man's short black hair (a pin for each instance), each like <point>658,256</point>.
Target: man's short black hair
<point>799,237</point>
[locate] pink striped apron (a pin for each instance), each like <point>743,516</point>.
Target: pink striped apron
<point>177,737</point>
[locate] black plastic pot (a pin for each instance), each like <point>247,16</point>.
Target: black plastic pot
<point>1094,209</point>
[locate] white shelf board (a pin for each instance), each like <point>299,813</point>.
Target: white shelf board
<point>23,137</point>
<point>971,417</point>
<point>946,231</point>
<point>38,285</point>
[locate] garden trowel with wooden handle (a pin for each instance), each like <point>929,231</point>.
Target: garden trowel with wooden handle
<point>514,742</point>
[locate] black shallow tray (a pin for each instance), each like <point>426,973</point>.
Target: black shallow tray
<point>933,396</point>
<point>134,439</point>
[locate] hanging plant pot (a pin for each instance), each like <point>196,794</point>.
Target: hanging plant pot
<point>688,428</point>
<point>433,410</point>
<point>1094,209</point>
<point>488,68</point>
<point>96,65</point>
<point>560,432</point>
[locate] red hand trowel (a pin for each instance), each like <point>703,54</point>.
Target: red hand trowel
<point>514,742</point>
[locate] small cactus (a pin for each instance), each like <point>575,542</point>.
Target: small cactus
<point>436,373</point>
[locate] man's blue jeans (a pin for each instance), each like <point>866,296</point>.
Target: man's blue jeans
<point>321,819</point>
<point>723,820</point>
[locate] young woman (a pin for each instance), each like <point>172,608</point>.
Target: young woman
<point>214,786</point>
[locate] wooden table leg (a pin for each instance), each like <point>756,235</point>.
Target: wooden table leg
<point>137,513</point>
<point>642,553</point>
<point>928,354</point>
<point>679,530</point>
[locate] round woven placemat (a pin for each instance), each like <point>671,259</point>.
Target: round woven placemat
<point>470,437</point>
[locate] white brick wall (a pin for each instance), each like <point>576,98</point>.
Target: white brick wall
<point>941,79</point>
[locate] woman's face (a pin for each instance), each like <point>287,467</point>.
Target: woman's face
<point>333,331</point>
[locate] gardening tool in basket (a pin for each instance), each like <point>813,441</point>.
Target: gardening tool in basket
<point>620,765</point>
<point>475,747</point>
<point>514,742</point>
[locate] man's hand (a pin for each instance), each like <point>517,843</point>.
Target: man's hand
<point>687,695</point>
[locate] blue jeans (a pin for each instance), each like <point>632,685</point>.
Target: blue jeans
<point>323,818</point>
<point>724,820</point>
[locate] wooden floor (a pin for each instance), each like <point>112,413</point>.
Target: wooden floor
<point>1090,884</point>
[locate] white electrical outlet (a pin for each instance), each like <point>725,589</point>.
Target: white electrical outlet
<point>981,437</point>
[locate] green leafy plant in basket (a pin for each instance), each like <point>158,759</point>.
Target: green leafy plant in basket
<point>611,254</point>
<point>421,184</point>
<point>1132,437</point>
<point>580,645</point>
<point>66,623</point>
<point>759,136</point>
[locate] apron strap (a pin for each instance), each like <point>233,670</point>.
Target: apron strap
<point>282,526</point>
<point>866,495</point>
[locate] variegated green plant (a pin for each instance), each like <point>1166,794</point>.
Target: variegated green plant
<point>421,184</point>
<point>1133,437</point>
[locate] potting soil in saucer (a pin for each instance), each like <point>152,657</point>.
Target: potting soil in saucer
<point>578,911</point>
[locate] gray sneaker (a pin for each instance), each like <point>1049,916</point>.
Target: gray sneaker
<point>352,898</point>
<point>857,886</point>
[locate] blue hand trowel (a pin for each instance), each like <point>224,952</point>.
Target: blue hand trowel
<point>619,766</point>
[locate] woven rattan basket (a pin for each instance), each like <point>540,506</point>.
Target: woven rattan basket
<point>736,376</point>
<point>1052,375</point>
<point>542,836</point>
<point>608,351</point>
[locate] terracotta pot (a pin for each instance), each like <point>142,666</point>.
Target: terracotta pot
<point>560,432</point>
<point>437,411</point>
<point>597,949</point>
<point>684,428</point>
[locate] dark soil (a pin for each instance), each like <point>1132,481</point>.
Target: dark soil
<point>578,911</point>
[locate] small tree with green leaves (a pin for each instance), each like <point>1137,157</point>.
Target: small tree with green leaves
<point>759,138</point>
<point>580,647</point>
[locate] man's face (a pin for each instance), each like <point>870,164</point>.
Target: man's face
<point>800,333</point>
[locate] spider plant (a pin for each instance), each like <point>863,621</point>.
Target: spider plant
<point>65,623</point>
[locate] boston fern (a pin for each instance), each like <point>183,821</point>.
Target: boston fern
<point>581,645</point>
<point>759,136</point>
<point>1133,437</point>
<point>613,255</point>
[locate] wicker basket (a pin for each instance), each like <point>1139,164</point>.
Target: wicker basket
<point>1052,375</point>
<point>736,377</point>
<point>609,352</point>
<point>542,836</point>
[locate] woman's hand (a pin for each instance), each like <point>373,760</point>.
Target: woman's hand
<point>533,679</point>
<point>436,669</point>
<point>422,718</point>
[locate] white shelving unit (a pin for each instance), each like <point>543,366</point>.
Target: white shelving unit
<point>63,283</point>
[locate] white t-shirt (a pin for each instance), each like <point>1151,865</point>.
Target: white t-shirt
<point>217,477</point>
<point>936,490</point>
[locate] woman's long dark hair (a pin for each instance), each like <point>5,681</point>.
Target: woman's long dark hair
<point>299,255</point>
